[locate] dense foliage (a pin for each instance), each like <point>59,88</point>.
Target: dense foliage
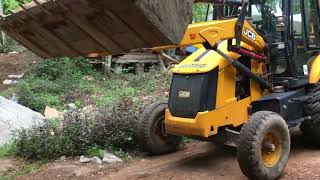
<point>58,82</point>
<point>108,108</point>
<point>200,12</point>
<point>81,133</point>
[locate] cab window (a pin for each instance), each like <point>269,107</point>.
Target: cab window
<point>312,23</point>
<point>306,34</point>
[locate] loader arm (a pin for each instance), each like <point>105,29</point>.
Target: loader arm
<point>214,32</point>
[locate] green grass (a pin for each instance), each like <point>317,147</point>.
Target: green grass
<point>8,150</point>
<point>99,151</point>
<point>95,150</point>
<point>59,82</point>
<point>8,92</point>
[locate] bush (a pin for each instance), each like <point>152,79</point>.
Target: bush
<point>50,81</point>
<point>118,102</point>
<point>30,99</point>
<point>83,133</point>
<point>62,68</point>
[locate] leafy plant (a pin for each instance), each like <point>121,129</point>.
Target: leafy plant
<point>82,133</point>
<point>8,149</point>
<point>51,81</point>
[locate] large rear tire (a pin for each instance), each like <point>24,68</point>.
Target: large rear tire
<point>311,128</point>
<point>151,132</point>
<point>264,146</point>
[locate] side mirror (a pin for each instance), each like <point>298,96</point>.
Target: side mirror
<point>281,23</point>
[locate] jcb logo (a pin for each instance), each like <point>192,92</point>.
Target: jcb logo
<point>250,34</point>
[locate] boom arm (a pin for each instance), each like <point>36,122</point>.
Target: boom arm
<point>214,32</point>
<point>217,31</point>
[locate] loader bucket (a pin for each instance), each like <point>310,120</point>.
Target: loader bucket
<point>57,28</point>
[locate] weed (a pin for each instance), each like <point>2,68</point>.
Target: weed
<point>8,149</point>
<point>95,150</point>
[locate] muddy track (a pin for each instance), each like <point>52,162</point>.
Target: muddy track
<point>208,161</point>
<point>198,160</point>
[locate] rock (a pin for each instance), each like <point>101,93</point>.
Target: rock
<point>14,98</point>
<point>51,113</point>
<point>62,158</point>
<point>72,106</point>
<point>7,82</point>
<point>96,160</point>
<point>111,158</point>
<point>10,82</point>
<point>84,159</point>
<point>14,117</point>
<point>88,78</point>
<point>89,110</point>
<point>13,52</point>
<point>14,76</point>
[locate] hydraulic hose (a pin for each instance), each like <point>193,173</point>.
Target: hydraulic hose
<point>244,70</point>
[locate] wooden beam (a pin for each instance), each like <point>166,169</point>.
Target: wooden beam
<point>53,38</point>
<point>169,58</point>
<point>12,13</point>
<point>42,7</point>
<point>88,28</point>
<point>69,21</point>
<point>26,42</point>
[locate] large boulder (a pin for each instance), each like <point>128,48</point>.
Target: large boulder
<point>14,117</point>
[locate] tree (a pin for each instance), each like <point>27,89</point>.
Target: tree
<point>200,12</point>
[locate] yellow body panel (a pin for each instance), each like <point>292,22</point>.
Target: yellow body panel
<point>314,65</point>
<point>208,62</point>
<point>216,31</point>
<point>228,110</point>
<point>234,114</point>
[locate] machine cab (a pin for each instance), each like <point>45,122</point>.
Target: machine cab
<point>292,29</point>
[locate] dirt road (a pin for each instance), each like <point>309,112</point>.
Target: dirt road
<point>198,160</point>
<point>207,161</point>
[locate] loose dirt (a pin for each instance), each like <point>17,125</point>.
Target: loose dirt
<point>9,64</point>
<point>15,63</point>
<point>198,160</point>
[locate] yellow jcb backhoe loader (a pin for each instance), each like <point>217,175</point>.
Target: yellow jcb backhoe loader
<point>256,77</point>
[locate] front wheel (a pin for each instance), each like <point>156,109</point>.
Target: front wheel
<point>151,132</point>
<point>264,146</point>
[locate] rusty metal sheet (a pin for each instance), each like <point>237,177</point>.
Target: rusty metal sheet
<point>57,28</point>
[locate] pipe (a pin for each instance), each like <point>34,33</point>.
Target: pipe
<point>244,70</point>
